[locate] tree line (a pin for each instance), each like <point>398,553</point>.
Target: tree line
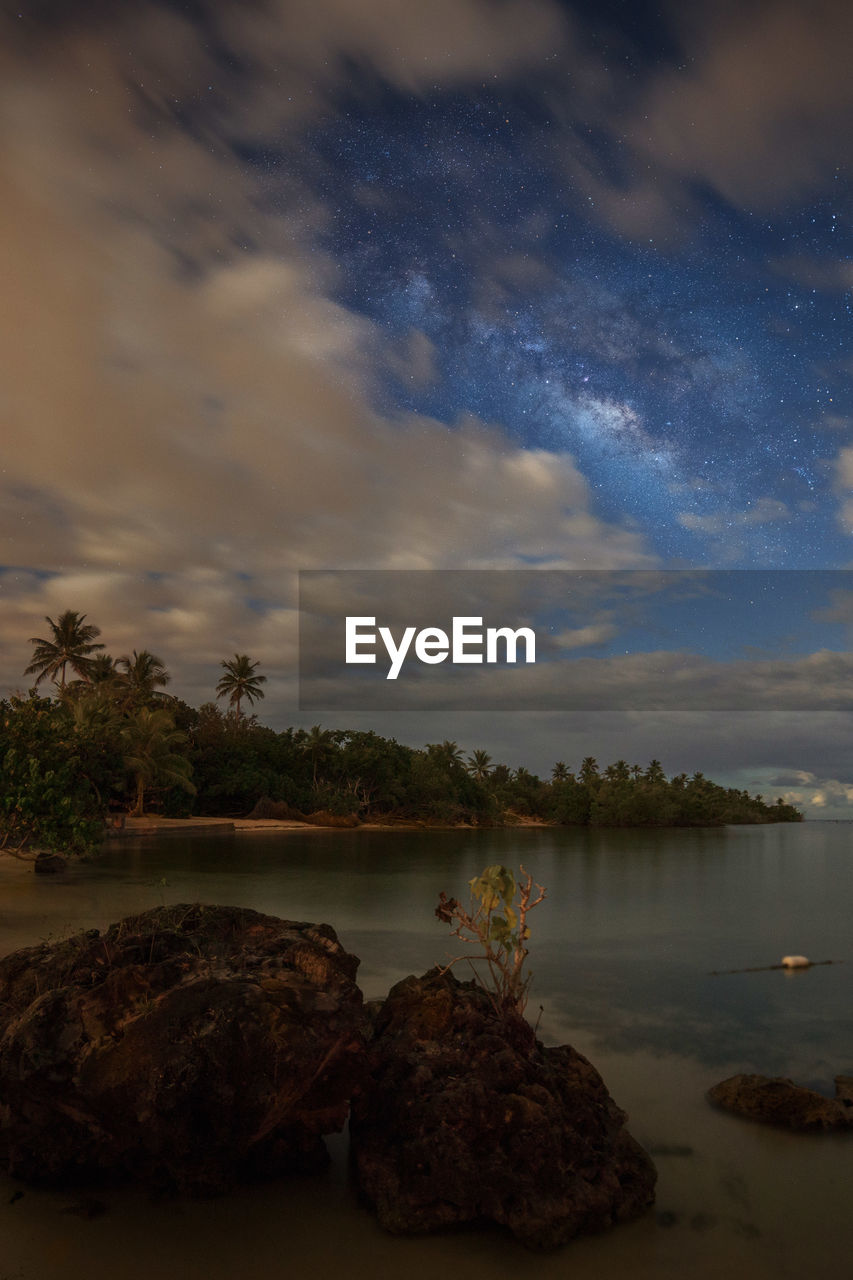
<point>111,740</point>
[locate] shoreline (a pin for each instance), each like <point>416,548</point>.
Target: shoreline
<point>157,826</point>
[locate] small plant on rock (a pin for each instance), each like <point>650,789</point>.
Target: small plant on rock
<point>498,923</point>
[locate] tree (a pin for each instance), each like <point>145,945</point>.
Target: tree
<point>102,669</point>
<point>150,742</point>
<point>56,774</point>
<point>479,765</point>
<point>234,766</point>
<point>588,772</point>
<point>141,679</point>
<point>93,710</point>
<point>375,771</point>
<point>240,681</point>
<point>73,640</point>
<point>654,773</point>
<point>560,772</point>
<point>319,744</point>
<point>448,754</point>
<point>568,802</point>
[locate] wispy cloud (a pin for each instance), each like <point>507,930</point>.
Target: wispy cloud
<point>190,414</point>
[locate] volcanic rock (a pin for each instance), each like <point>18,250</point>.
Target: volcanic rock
<point>774,1100</point>
<point>465,1117</point>
<point>187,1047</point>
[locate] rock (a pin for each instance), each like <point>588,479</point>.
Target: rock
<point>465,1116</point>
<point>781,1102</point>
<point>47,864</point>
<point>187,1047</point>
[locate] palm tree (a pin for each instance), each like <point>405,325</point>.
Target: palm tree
<point>150,738</point>
<point>449,754</point>
<point>654,773</point>
<point>73,640</point>
<point>560,772</point>
<point>478,765</point>
<point>588,772</point>
<point>141,678</point>
<point>102,670</point>
<point>319,744</point>
<point>240,681</point>
<point>94,711</point>
<point>101,682</point>
<point>524,777</point>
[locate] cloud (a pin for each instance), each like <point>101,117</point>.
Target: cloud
<point>414,47</point>
<point>414,360</point>
<point>840,609</point>
<point>818,796</point>
<point>792,778</point>
<point>829,275</point>
<point>293,53</point>
<point>843,483</point>
<point>659,680</point>
<point>585,637</point>
<point>773,76</point>
<point>747,534</point>
<point>191,416</point>
<point>756,105</point>
<point>825,794</point>
<point>758,512</point>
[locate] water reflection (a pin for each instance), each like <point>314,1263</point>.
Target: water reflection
<point>621,953</point>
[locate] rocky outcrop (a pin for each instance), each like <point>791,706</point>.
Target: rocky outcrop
<point>774,1100</point>
<point>186,1046</point>
<point>49,864</point>
<point>465,1116</point>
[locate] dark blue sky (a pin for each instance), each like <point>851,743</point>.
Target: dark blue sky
<point>698,379</point>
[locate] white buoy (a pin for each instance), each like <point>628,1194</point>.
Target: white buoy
<point>796,962</point>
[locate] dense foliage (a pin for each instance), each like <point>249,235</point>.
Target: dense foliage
<point>67,762</point>
<point>113,740</point>
<point>57,776</point>
<point>354,772</point>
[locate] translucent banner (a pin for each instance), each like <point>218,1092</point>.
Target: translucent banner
<point>570,640</point>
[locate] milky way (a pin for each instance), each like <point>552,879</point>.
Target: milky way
<point>699,381</point>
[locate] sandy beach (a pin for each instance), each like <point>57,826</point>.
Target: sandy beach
<point>157,826</point>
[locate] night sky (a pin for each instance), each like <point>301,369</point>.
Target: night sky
<point>474,284</point>
<point>697,383</point>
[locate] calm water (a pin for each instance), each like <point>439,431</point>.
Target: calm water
<point>621,951</point>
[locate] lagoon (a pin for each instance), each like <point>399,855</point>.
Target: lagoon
<point>622,953</point>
